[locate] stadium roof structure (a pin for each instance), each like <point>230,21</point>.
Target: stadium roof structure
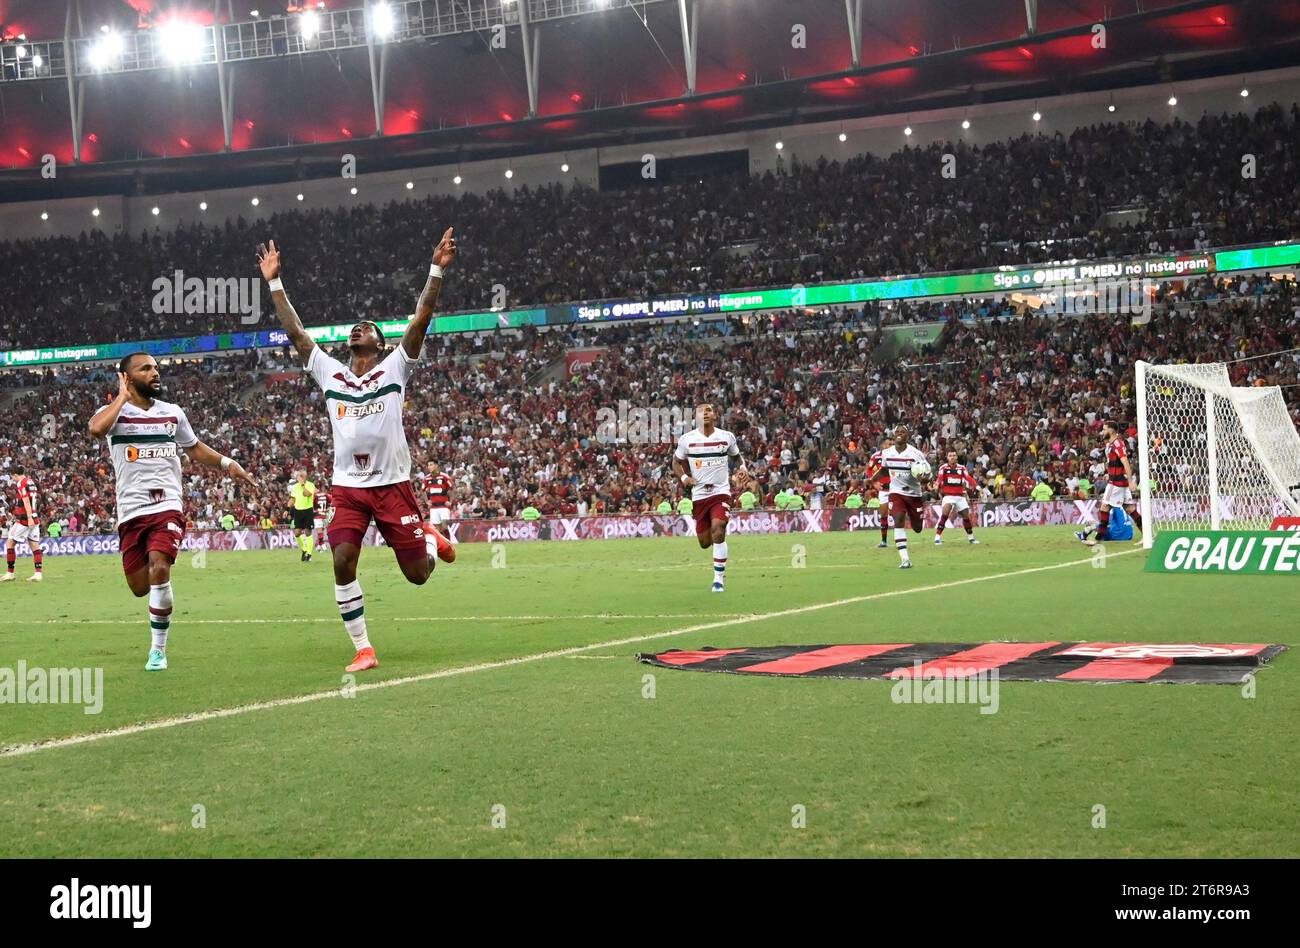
<point>162,95</point>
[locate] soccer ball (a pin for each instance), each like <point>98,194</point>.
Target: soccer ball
<point>921,471</point>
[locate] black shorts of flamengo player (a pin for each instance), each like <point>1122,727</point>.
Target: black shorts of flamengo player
<point>303,519</point>
<point>904,508</point>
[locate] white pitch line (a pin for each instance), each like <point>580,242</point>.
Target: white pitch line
<point>334,620</point>
<point>16,750</point>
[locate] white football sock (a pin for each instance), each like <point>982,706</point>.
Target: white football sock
<point>352,607</point>
<point>160,614</point>
<point>900,541</point>
<point>720,562</point>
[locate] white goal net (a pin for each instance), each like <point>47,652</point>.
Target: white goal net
<point>1213,456</point>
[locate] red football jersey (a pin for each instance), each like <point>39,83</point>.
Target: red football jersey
<point>1116,452</point>
<point>24,490</point>
<point>954,480</point>
<point>438,488</point>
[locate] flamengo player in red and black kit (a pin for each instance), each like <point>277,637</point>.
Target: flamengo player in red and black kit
<point>1119,477</point>
<point>904,489</point>
<point>702,462</point>
<point>143,433</point>
<point>874,476</point>
<point>322,518</point>
<point>25,527</point>
<point>437,488</point>
<point>372,462</point>
<point>954,481</point>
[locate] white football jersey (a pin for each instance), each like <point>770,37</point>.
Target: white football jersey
<point>144,445</point>
<point>705,457</point>
<point>899,464</point>
<point>370,447</point>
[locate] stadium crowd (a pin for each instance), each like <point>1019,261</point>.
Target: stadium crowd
<point>1022,397</point>
<point>1031,199</point>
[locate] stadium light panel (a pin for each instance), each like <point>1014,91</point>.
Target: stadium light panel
<point>45,215</point>
<point>381,17</point>
<point>203,205</point>
<point>255,202</point>
<point>181,42</point>
<point>21,51</point>
<point>95,212</point>
<point>153,211</point>
<point>106,50</point>
<point>456,180</point>
<point>38,61</point>
<point>309,25</point>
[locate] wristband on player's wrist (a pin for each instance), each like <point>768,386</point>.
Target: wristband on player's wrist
<point>275,284</point>
<point>435,271</point>
<point>226,462</point>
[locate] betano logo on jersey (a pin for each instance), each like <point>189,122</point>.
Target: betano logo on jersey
<point>359,411</point>
<point>150,452</point>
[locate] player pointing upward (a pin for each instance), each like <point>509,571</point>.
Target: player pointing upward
<point>702,462</point>
<point>372,463</point>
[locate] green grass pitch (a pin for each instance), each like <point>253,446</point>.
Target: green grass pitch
<point>568,752</point>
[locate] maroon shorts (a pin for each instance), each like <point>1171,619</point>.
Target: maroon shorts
<point>708,510</point>
<point>140,536</point>
<point>394,509</point>
<point>903,508</point>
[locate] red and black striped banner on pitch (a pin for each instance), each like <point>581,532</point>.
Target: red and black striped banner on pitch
<point>1186,662</point>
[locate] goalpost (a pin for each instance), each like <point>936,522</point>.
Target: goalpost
<point>1211,455</point>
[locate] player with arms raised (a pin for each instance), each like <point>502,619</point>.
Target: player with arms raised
<point>1119,475</point>
<point>703,462</point>
<point>954,481</point>
<point>25,528</point>
<point>372,462</point>
<point>905,507</point>
<point>143,433</point>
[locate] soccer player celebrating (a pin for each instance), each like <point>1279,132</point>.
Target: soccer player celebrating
<point>702,462</point>
<point>143,433</point>
<point>438,487</point>
<point>874,468</point>
<point>26,528</point>
<point>303,493</point>
<point>896,460</point>
<point>1119,474</point>
<point>372,462</point>
<point>954,481</point>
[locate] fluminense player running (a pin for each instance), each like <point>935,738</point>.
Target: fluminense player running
<point>954,481</point>
<point>874,468</point>
<point>1119,475</point>
<point>24,526</point>
<point>702,462</point>
<point>904,489</point>
<point>372,462</point>
<point>143,434</point>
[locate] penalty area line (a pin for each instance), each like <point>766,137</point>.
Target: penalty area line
<point>18,750</point>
